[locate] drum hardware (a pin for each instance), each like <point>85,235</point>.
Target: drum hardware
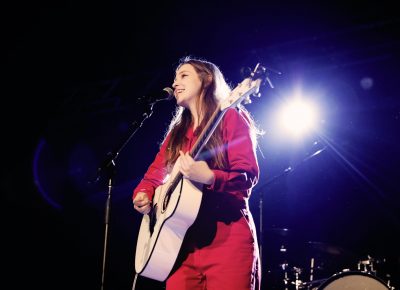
<point>320,271</point>
<point>320,274</point>
<point>367,265</point>
<point>312,270</point>
<point>388,282</point>
<point>313,284</point>
<point>297,282</point>
<point>293,276</point>
<point>286,279</point>
<point>284,267</point>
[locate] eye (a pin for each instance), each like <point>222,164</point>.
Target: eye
<point>184,75</point>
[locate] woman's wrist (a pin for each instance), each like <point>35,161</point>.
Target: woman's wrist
<point>211,178</point>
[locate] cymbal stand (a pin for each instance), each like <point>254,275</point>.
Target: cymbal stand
<point>271,181</point>
<point>297,282</point>
<point>286,279</point>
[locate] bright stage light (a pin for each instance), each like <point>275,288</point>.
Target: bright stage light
<point>298,117</point>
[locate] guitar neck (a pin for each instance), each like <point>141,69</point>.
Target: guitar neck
<point>208,130</point>
<point>204,137</point>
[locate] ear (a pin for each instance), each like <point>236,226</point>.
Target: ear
<point>207,81</point>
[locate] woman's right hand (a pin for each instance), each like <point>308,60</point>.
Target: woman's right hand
<point>142,203</point>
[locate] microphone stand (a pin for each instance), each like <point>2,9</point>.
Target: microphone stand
<point>272,180</point>
<point>107,168</point>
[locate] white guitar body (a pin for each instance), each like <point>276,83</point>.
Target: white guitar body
<point>156,262</point>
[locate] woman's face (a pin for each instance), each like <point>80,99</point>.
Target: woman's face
<point>187,86</point>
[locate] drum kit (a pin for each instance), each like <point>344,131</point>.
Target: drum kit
<point>348,279</point>
<point>321,271</point>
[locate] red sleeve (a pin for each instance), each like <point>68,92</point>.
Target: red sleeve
<point>155,173</point>
<point>243,171</point>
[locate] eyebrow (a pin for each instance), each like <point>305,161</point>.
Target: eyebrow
<point>184,71</point>
<point>181,72</point>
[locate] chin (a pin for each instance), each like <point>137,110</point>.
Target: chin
<point>181,103</point>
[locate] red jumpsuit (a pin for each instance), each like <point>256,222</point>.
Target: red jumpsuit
<point>220,249</point>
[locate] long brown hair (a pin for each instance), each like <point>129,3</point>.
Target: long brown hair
<point>215,89</point>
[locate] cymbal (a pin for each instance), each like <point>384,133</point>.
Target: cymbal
<point>326,248</point>
<point>283,232</point>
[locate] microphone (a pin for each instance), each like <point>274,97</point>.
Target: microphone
<point>166,94</point>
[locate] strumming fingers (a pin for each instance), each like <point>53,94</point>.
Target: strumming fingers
<point>144,209</point>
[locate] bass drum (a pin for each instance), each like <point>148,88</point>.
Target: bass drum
<point>353,280</point>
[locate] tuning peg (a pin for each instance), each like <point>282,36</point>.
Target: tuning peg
<point>247,100</point>
<point>257,70</point>
<point>269,82</point>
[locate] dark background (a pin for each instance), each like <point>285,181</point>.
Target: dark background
<point>74,71</point>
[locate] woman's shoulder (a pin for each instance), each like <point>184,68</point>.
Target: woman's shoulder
<point>237,115</point>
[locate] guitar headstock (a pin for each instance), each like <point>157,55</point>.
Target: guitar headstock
<point>250,86</point>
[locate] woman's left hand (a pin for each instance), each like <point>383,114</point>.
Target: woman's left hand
<point>195,170</point>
